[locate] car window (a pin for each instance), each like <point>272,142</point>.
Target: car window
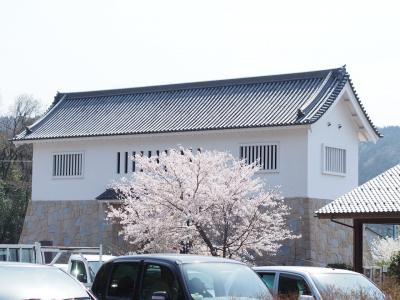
<point>94,267</point>
<point>158,278</point>
<point>200,284</point>
<point>100,281</point>
<point>223,280</point>
<point>123,280</point>
<point>78,270</point>
<point>292,286</point>
<point>268,279</point>
<point>350,285</point>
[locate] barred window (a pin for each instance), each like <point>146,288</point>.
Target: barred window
<point>126,164</point>
<point>133,161</point>
<point>118,162</point>
<point>125,158</point>
<point>334,160</point>
<point>266,155</point>
<point>68,164</point>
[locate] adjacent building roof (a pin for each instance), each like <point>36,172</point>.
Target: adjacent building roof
<point>279,100</point>
<point>109,194</point>
<point>378,197</point>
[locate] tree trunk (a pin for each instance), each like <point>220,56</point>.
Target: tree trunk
<point>206,240</point>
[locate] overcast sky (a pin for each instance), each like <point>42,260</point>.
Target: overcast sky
<point>50,46</point>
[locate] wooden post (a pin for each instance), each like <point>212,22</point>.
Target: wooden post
<point>358,245</point>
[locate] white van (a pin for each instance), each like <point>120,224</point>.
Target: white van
<point>83,262</point>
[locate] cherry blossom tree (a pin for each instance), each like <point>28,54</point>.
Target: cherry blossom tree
<point>208,200</point>
<point>383,249</point>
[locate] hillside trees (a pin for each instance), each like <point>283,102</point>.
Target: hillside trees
<point>208,202</point>
<point>374,159</point>
<point>15,168</point>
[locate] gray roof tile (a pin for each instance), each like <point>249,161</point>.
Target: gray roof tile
<point>109,194</point>
<point>279,100</point>
<point>379,195</point>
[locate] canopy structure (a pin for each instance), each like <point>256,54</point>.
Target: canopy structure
<point>374,202</point>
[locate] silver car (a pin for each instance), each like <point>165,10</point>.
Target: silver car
<point>32,281</point>
<point>294,282</point>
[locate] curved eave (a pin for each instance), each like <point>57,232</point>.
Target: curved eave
<point>61,137</point>
<point>367,131</point>
<point>368,127</point>
<point>359,215</point>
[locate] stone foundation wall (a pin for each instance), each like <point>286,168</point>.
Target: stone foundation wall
<point>82,223</point>
<point>331,242</point>
<point>72,223</point>
<point>321,241</point>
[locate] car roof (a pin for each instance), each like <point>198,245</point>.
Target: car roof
<point>94,257</point>
<point>22,264</point>
<point>302,269</point>
<point>38,282</point>
<point>178,258</point>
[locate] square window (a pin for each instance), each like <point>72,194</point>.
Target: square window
<point>68,164</point>
<point>334,160</point>
<point>266,155</point>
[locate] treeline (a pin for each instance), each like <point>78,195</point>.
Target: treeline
<point>377,158</point>
<point>15,168</point>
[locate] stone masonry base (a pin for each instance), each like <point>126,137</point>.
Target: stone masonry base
<point>82,223</point>
<point>72,223</point>
<point>322,242</point>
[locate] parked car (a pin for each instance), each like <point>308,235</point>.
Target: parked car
<point>317,283</point>
<point>83,262</point>
<point>177,277</point>
<point>32,281</point>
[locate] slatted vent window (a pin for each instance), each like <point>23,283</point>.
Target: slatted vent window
<point>265,154</point>
<point>126,164</point>
<point>335,160</point>
<point>68,165</point>
<point>127,160</point>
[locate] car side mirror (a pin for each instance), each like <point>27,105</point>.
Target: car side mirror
<point>306,297</point>
<point>81,278</point>
<point>160,296</point>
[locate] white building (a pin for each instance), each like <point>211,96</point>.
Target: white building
<point>305,128</point>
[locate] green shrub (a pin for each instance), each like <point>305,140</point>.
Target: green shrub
<point>394,267</point>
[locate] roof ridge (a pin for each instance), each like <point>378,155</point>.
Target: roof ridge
<point>306,107</point>
<point>201,84</point>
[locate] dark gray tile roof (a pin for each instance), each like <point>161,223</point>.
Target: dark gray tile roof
<point>109,194</point>
<point>380,195</point>
<point>279,100</point>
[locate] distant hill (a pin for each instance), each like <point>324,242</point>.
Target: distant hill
<point>377,158</point>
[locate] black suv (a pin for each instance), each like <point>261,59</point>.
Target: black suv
<point>177,277</point>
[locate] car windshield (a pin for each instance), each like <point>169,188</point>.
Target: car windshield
<point>38,282</point>
<point>94,266</point>
<point>223,281</point>
<point>344,285</point>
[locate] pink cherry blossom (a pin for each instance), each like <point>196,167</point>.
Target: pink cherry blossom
<point>209,199</point>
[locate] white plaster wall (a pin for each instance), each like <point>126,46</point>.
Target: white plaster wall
<point>326,186</point>
<point>101,153</point>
